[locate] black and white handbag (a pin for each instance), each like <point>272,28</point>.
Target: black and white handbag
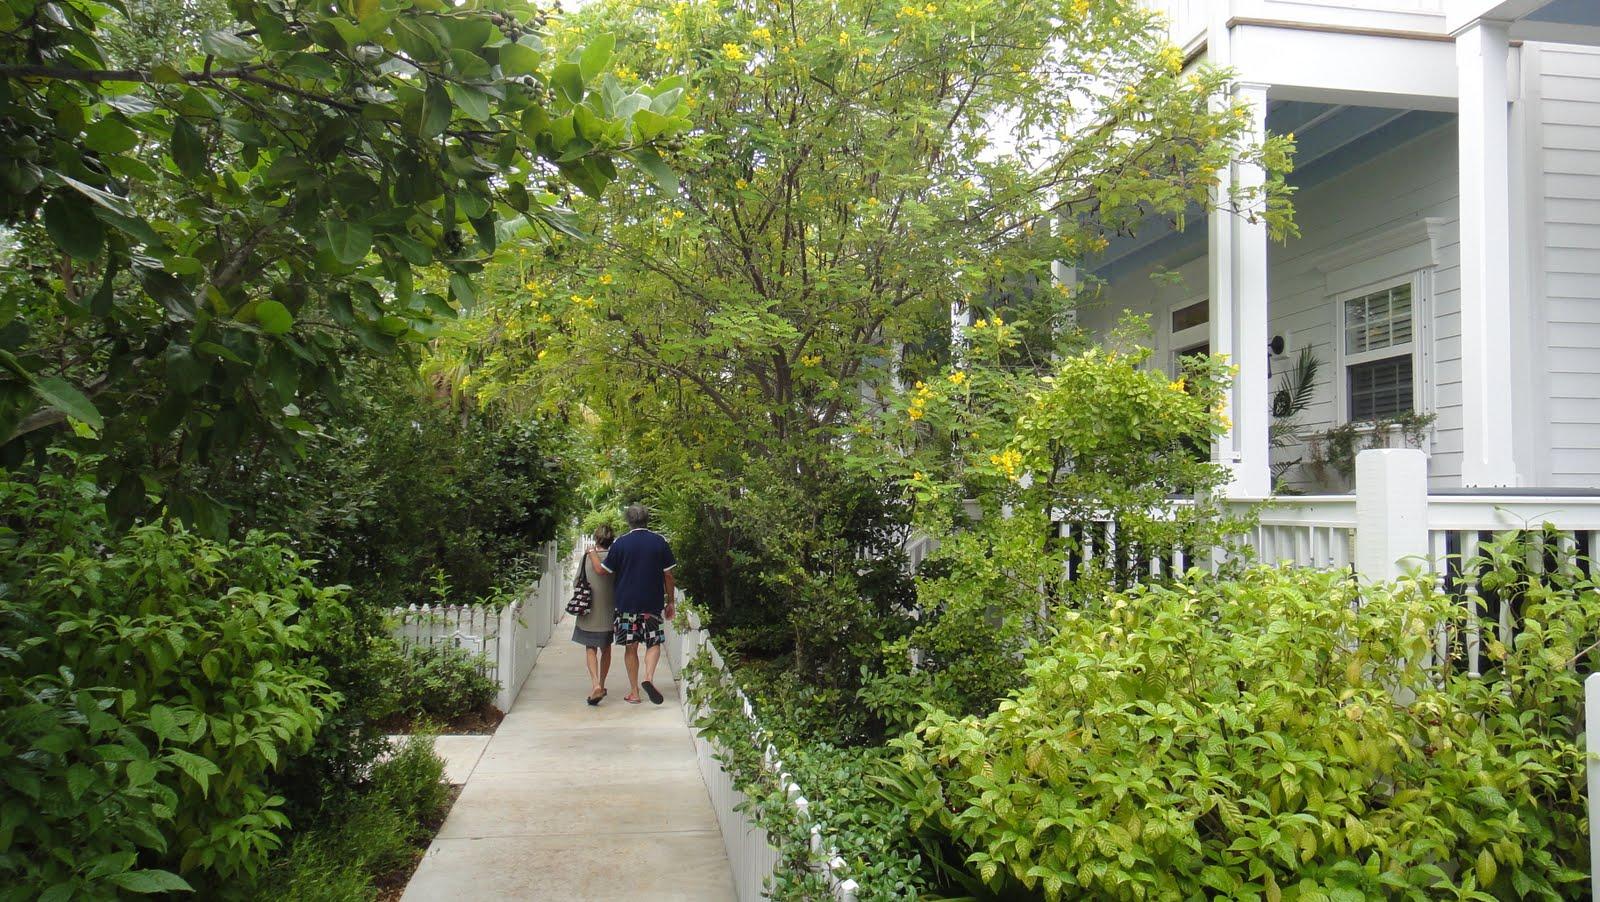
<point>582,594</point>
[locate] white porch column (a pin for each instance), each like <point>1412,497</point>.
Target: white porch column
<point>1238,268</point>
<point>1482,49</point>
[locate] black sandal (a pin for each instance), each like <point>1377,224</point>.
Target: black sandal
<point>594,700</point>
<point>656,697</point>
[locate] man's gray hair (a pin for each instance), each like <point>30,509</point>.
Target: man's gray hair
<point>637,515</point>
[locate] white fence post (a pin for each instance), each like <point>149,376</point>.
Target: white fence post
<point>1591,729</point>
<point>507,657</point>
<point>1391,511</point>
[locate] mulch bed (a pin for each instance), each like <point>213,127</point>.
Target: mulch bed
<point>392,886</point>
<point>481,722</point>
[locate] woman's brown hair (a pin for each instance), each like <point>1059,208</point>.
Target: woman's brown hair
<point>604,536</point>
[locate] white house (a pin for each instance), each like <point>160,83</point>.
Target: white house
<point>1448,198</point>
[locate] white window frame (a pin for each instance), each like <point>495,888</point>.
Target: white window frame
<point>1421,343</point>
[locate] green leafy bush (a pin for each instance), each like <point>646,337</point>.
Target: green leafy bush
<point>153,680</point>
<point>403,487</point>
<point>442,682</point>
<point>365,833</point>
<point>873,836</point>
<point>1285,735</point>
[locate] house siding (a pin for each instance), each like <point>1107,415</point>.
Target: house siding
<point>1565,185</point>
<point>1404,184</point>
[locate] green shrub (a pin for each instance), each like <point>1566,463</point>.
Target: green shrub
<point>153,681</point>
<point>1282,735</point>
<point>443,682</point>
<point>872,835</point>
<point>365,833</point>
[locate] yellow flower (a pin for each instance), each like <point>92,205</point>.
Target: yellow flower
<point>1080,8</point>
<point>914,413</point>
<point>606,278</point>
<point>872,201</point>
<point>811,360</point>
<point>981,324</point>
<point>1178,384</point>
<point>541,353</point>
<point>1008,461</point>
<point>958,377</point>
<point>918,476</point>
<point>1172,58</point>
<point>741,184</point>
<point>844,38</point>
<point>624,73</point>
<point>762,34</point>
<point>733,52</point>
<point>677,214</point>
<point>545,317</point>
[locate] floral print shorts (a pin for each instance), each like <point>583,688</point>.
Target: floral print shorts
<point>634,629</point>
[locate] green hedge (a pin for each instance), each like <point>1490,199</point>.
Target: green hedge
<point>1273,737</point>
<point>153,681</point>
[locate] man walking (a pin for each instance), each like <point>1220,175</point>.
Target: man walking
<point>641,562</point>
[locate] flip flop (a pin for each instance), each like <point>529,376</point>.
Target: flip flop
<point>656,697</point>
<point>632,701</point>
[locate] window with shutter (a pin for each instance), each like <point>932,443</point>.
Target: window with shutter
<point>1380,353</point>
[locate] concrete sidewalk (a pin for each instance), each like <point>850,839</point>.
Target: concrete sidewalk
<point>573,802</point>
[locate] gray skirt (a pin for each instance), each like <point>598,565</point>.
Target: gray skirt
<point>591,638</point>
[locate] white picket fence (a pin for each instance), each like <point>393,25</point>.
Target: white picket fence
<point>508,638</point>
<point>750,851</point>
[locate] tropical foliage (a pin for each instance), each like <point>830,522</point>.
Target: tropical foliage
<point>154,682</point>
<point>213,225</point>
<point>737,338</point>
<point>1286,735</point>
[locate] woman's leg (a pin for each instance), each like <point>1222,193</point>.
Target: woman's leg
<point>605,663</point>
<point>591,656</point>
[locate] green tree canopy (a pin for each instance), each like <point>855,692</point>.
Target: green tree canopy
<point>858,170</point>
<point>208,225</point>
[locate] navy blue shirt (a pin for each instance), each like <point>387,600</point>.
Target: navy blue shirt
<point>640,560</point>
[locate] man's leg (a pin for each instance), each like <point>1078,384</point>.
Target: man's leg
<point>652,656</point>
<point>630,658</point>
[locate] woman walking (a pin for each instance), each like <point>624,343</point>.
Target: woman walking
<point>594,629</point>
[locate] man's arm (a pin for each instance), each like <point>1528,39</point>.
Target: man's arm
<point>672,595</point>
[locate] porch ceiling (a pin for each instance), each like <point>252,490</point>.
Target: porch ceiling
<point>1330,139</point>
<point>1554,21</point>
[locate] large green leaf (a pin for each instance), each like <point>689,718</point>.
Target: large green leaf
<point>474,103</point>
<point>188,148</point>
<point>71,223</point>
<point>349,241</point>
<point>151,881</point>
<point>65,397</point>
<point>518,59</point>
<point>227,46</point>
<point>568,80</point>
<point>651,162</point>
<point>595,57</point>
<point>433,114</point>
<point>274,318</point>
